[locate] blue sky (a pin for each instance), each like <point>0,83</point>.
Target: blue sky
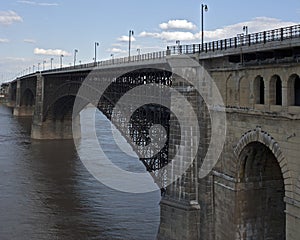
<point>33,31</point>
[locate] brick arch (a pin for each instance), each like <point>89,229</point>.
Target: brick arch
<point>257,135</point>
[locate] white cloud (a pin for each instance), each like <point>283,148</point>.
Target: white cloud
<point>48,4</point>
<point>45,4</point>
<point>13,59</point>
<point>170,36</point>
<point>9,17</point>
<point>53,52</point>
<point>178,24</point>
<point>116,50</point>
<point>126,39</point>
<point>29,41</point>
<point>255,25</point>
<point>117,45</point>
<point>149,34</point>
<point>4,40</point>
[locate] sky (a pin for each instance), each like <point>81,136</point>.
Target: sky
<point>34,31</point>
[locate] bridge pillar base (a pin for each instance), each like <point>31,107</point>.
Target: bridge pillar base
<point>10,104</point>
<point>51,129</point>
<point>23,111</point>
<point>179,220</point>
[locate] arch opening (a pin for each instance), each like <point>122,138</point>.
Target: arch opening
<point>28,98</point>
<point>261,194</point>
<point>293,87</point>
<point>259,90</point>
<point>276,90</point>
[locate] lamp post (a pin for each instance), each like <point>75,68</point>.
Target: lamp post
<point>39,66</point>
<point>178,46</point>
<point>245,29</point>
<point>131,33</point>
<point>33,66</point>
<point>139,53</point>
<point>75,52</point>
<point>203,8</point>
<point>44,65</point>
<point>61,58</point>
<point>112,58</point>
<point>96,45</point>
<point>51,60</point>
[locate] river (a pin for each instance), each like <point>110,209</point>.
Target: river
<point>47,193</point>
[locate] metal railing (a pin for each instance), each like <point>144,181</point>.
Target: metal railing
<point>241,40</point>
<point>114,61</point>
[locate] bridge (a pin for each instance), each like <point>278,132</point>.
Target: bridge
<point>252,190</point>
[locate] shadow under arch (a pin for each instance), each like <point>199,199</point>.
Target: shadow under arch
<point>262,175</point>
<point>27,98</point>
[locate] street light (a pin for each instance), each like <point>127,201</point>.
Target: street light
<point>75,52</point>
<point>112,58</point>
<point>131,33</point>
<point>39,66</point>
<point>33,66</point>
<point>245,29</point>
<point>203,8</point>
<point>178,45</point>
<point>96,45</point>
<point>44,65</point>
<point>139,53</point>
<point>61,58</point>
<point>51,60</point>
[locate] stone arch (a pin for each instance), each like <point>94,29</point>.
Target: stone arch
<point>244,93</point>
<point>293,87</point>
<point>257,135</point>
<point>260,211</point>
<point>259,90</point>
<point>275,92</point>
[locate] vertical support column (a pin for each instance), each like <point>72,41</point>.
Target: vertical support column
<point>16,111</point>
<point>9,101</point>
<point>180,209</point>
<point>38,110</point>
<point>186,210</point>
<point>284,94</point>
<point>50,127</point>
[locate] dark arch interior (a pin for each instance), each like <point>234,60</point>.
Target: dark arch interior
<point>278,91</point>
<point>261,91</point>
<point>261,208</point>
<point>27,98</point>
<point>297,91</point>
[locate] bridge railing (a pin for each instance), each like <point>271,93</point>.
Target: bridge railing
<point>115,61</point>
<point>240,40</point>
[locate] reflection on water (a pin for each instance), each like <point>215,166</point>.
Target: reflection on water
<point>46,193</point>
